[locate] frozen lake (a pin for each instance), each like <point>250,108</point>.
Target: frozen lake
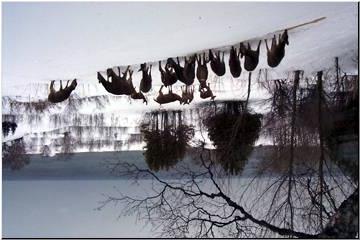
<point>59,198</point>
<point>65,208</point>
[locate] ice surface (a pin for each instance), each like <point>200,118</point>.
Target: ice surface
<point>67,208</point>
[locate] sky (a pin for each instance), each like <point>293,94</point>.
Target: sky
<point>44,41</point>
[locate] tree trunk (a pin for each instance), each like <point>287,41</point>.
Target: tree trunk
<point>292,142</point>
<point>321,174</point>
<point>345,222</point>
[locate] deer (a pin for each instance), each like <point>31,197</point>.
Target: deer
<point>189,70</point>
<point>251,56</point>
<point>62,94</point>
<point>145,83</point>
<point>134,94</point>
<point>179,70</point>
<point>206,92</point>
<point>187,94</point>
<point>217,64</point>
<point>202,71</point>
<point>167,98</point>
<point>119,85</point>
<point>277,51</point>
<point>168,76</point>
<point>234,62</point>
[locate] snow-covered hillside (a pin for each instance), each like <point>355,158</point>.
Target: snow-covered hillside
<point>100,37</point>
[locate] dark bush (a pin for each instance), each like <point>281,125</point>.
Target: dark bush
<point>14,155</point>
<point>233,131</point>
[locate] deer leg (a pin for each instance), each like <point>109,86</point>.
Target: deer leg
<point>52,86</point>
<point>242,49</point>
<point>61,87</point>
<point>197,59</point>
<point>266,44</point>
<point>126,72</point>
<point>249,47</point>
<point>67,83</point>
<point>130,79</point>
<point>273,43</point>
<point>258,47</point>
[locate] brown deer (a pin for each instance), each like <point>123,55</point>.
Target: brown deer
<point>217,64</point>
<point>167,98</point>
<point>277,51</point>
<point>202,71</point>
<point>206,92</point>
<point>168,76</point>
<point>119,85</point>
<point>189,70</point>
<point>134,94</point>
<point>179,70</point>
<point>62,94</point>
<point>146,80</point>
<point>234,63</point>
<point>251,56</point>
<point>187,94</point>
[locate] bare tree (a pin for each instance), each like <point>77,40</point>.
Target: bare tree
<point>304,197</point>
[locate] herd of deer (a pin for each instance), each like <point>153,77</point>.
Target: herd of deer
<point>121,83</point>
